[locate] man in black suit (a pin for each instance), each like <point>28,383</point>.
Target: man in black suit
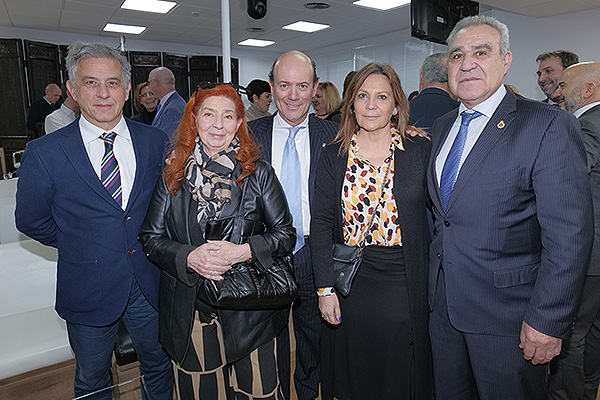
<point>575,373</point>
<point>552,64</point>
<point>434,99</point>
<point>513,227</point>
<point>40,109</point>
<point>294,81</point>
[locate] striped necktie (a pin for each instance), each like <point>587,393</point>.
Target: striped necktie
<point>110,174</point>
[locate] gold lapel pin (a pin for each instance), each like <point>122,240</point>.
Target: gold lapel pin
<point>501,124</point>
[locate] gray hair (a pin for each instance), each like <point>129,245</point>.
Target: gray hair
<point>476,20</point>
<point>435,68</point>
<point>79,50</point>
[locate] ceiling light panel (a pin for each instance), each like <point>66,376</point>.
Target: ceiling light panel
<point>256,42</point>
<point>136,30</point>
<point>381,4</point>
<point>155,6</point>
<point>303,26</point>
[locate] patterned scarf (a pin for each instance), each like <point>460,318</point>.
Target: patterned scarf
<point>209,178</point>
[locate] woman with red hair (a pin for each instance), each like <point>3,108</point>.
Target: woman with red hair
<point>218,354</point>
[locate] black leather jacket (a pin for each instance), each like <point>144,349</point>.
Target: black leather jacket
<point>169,234</point>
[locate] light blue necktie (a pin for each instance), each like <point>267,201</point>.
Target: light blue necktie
<point>450,170</point>
<point>291,180</point>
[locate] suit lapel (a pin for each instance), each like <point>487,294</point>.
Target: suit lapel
<point>162,108</point>
<point>499,124</point>
<point>140,144</point>
<point>72,145</point>
<point>437,142</point>
<point>317,143</point>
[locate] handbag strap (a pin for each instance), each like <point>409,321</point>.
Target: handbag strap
<point>238,223</point>
<point>372,219</point>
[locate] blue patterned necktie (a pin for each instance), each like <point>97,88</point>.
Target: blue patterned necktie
<point>450,170</point>
<point>291,180</point>
<point>110,174</point>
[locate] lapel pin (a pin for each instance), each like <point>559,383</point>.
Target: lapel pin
<point>324,144</point>
<point>501,124</point>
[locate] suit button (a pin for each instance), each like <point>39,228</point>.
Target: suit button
<point>447,223</point>
<point>130,251</point>
<point>126,218</point>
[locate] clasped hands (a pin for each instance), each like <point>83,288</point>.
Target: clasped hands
<point>214,258</point>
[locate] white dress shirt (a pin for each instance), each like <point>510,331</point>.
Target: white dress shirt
<point>280,135</point>
<point>487,108</point>
<point>59,119</point>
<point>122,149</point>
<point>583,109</point>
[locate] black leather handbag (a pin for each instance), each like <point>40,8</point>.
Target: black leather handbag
<point>347,259</point>
<point>249,285</point>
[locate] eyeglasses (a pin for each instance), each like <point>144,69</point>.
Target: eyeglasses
<point>146,94</point>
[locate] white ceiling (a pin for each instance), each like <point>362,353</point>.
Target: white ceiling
<point>180,25</point>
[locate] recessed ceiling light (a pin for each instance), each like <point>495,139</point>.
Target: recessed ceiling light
<point>256,42</point>
<point>255,29</point>
<point>381,4</point>
<point>316,5</point>
<point>155,6</point>
<point>304,26</point>
<point>136,30</point>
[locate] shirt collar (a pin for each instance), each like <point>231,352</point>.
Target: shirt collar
<point>91,132</point>
<point>279,122</point>
<point>166,97</point>
<point>487,107</point>
<point>583,109</point>
<point>48,101</point>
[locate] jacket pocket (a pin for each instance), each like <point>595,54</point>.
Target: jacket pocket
<point>515,276</point>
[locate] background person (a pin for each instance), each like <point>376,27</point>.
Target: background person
<point>552,64</point>
<point>259,95</point>
<point>40,109</point>
<point>326,102</point>
<point>145,104</point>
<point>213,158</point>
<point>67,113</point>
<point>171,104</point>
<point>377,346</point>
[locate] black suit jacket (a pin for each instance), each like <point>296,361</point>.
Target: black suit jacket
<point>590,128</point>
<point>36,113</point>
<point>321,133</point>
<point>428,106</point>
<point>517,232</point>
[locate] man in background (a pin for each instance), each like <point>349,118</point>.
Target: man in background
<point>39,110</point>
<point>67,113</point>
<point>171,104</point>
<point>575,373</point>
<point>434,98</point>
<point>552,64</point>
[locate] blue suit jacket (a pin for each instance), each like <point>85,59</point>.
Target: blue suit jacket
<point>321,133</point>
<point>62,203</point>
<point>428,106</point>
<point>517,233</point>
<point>169,115</point>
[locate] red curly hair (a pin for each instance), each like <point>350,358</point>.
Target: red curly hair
<point>187,133</point>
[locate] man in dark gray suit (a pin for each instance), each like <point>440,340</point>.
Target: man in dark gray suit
<point>575,373</point>
<point>513,227</point>
<point>171,104</point>
<point>294,82</point>
<point>434,98</point>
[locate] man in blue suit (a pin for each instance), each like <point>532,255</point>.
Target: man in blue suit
<point>85,190</point>
<point>513,227</point>
<point>294,82</point>
<point>434,99</point>
<point>171,104</point>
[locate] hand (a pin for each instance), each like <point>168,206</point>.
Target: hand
<point>206,261</point>
<point>170,158</point>
<point>230,252</point>
<point>412,131</point>
<point>538,347</point>
<point>330,309</point>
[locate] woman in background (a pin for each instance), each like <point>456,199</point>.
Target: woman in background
<point>145,104</point>
<point>327,102</point>
<point>259,95</point>
<point>376,344</point>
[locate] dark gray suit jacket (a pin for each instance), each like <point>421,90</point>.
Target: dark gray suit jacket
<point>590,128</point>
<point>428,106</point>
<point>517,233</point>
<point>169,115</point>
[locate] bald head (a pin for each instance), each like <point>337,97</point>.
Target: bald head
<point>578,86</point>
<point>161,81</point>
<point>52,93</point>
<point>294,82</point>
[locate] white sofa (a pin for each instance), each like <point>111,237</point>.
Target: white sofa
<point>32,335</point>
